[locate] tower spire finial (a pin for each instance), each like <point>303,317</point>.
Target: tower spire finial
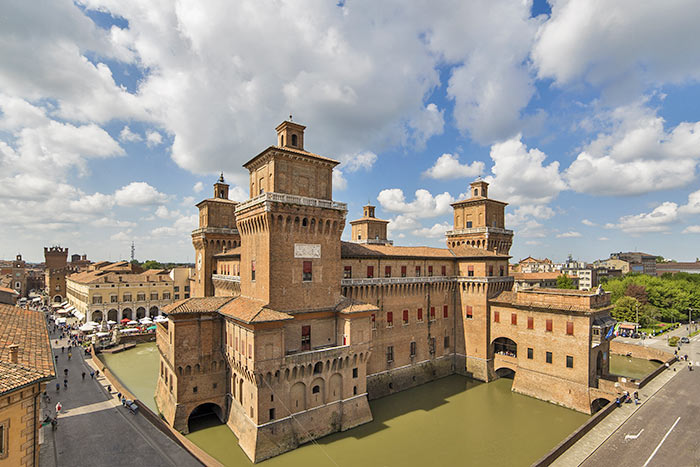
<point>221,178</point>
<point>290,117</point>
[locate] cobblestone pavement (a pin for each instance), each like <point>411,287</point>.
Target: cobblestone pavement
<point>94,429</point>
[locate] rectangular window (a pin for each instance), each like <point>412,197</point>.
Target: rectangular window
<point>469,312</point>
<point>387,271</point>
<point>420,315</point>
<point>177,296</point>
<point>96,299</point>
<point>502,271</point>
<point>250,350</point>
<point>154,295</point>
<point>390,354</point>
<point>530,322</point>
<point>403,271</point>
<point>252,270</point>
<point>306,272</point>
<point>306,338</point>
<point>496,317</point>
<point>354,372</point>
<point>272,414</point>
<point>446,342</point>
<point>370,271</point>
<point>141,297</point>
<point>417,271</point>
<point>549,325</point>
<point>469,224</point>
<point>374,321</point>
<point>187,288</point>
<point>514,318</point>
<point>445,311</point>
<point>470,271</point>
<point>166,295</point>
<point>176,288</point>
<point>569,328</point>
<point>549,357</point>
<point>432,313</point>
<point>113,299</point>
<point>491,270</point>
<point>405,317</point>
<point>569,361</point>
<point>187,295</point>
<point>530,353</point>
<point>430,271</point>
<point>444,270</point>
<point>389,319</point>
<point>347,272</point>
<point>413,349</point>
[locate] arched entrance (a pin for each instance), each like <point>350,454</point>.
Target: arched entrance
<point>57,299</point>
<point>153,312</point>
<point>112,315</point>
<point>598,404</point>
<point>140,312</point>
<point>127,313</point>
<point>97,316</point>
<point>505,346</point>
<point>204,416</point>
<point>505,373</point>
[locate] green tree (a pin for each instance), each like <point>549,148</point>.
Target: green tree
<point>625,309</point>
<point>152,264</point>
<point>565,282</point>
<point>637,291</point>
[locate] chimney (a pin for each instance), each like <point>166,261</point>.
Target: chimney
<point>14,351</point>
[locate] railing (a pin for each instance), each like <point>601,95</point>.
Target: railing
<point>223,277</point>
<point>373,241</point>
<point>291,199</point>
<point>326,353</point>
<point>495,230</point>
<point>216,230</point>
<point>396,280</point>
<point>487,279</point>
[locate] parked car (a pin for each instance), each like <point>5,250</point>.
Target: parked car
<point>685,340</point>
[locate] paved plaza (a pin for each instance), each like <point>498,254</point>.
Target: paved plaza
<point>94,429</point>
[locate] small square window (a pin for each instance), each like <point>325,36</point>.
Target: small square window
<point>549,357</point>
<point>194,389</point>
<point>549,325</point>
<point>469,312</point>
<point>514,318</point>
<point>496,317</point>
<point>389,319</point>
<point>420,315</point>
<point>569,361</point>
<point>354,372</point>
<point>307,271</point>
<point>530,322</point>
<point>530,353</point>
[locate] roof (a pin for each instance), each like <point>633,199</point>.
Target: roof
<point>27,329</point>
<point>101,276</point>
<point>232,252</point>
<point>521,276</point>
<point>349,306</point>
<point>218,200</point>
<point>677,266</point>
<point>9,290</point>
<point>293,151</point>
<point>368,219</point>
<point>250,310</point>
<point>196,305</point>
<point>353,250</point>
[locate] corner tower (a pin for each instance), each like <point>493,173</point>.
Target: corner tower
<point>56,261</point>
<point>217,231</point>
<point>291,227</point>
<point>369,229</point>
<point>479,222</point>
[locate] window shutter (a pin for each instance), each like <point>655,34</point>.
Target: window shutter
<point>307,266</point>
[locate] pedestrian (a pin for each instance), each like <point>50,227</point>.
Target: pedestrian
<point>69,355</point>
<point>97,373</point>
<point>65,383</point>
<point>56,359</point>
<point>83,375</point>
<point>109,388</point>
<point>58,387</point>
<point>92,374</point>
<point>65,372</point>
<point>690,366</point>
<point>63,348</point>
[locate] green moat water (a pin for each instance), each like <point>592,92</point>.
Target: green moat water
<point>452,421</point>
<point>631,367</point>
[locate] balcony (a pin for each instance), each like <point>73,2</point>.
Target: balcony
<point>291,199</point>
<point>226,278</point>
<point>479,230</point>
<point>215,230</point>
<point>396,280</point>
<point>324,353</point>
<point>486,279</point>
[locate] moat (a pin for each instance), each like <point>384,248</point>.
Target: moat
<point>452,421</point>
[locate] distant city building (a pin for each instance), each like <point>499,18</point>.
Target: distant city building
<point>14,273</point>
<point>181,282</point>
<point>641,263</point>
<point>26,366</point>
<point>530,265</point>
<point>79,263</point>
<point>8,295</point>
<point>114,291</point>
<point>675,267</point>
<point>524,280</point>
<point>55,272</point>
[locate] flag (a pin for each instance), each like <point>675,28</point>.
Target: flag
<point>58,407</point>
<point>610,332</point>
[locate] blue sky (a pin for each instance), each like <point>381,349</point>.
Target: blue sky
<point>117,116</point>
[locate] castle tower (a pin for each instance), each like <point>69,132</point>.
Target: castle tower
<point>56,260</point>
<point>369,229</point>
<point>479,222</point>
<point>217,232</point>
<point>19,276</point>
<point>291,227</point>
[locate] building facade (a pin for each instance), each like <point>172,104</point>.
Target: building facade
<point>114,291</point>
<point>290,326</point>
<point>55,272</point>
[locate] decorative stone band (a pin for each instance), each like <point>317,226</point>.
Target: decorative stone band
<point>215,230</point>
<point>421,280</point>
<point>291,199</point>
<point>474,230</point>
<point>223,277</point>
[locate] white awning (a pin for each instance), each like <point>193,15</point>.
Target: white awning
<point>79,314</point>
<point>70,308</point>
<point>64,303</point>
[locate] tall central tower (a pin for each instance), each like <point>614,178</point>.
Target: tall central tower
<point>290,228</point>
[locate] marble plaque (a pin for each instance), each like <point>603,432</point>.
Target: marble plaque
<point>307,250</point>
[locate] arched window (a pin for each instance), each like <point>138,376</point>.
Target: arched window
<point>294,140</point>
<point>476,192</point>
<point>281,140</point>
<point>316,389</point>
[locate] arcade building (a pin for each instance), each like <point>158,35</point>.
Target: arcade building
<point>291,331</point>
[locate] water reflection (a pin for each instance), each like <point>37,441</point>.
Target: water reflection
<point>453,421</point>
<point>631,367</point>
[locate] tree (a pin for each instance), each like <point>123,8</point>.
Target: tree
<point>637,291</point>
<point>565,282</point>
<point>152,264</point>
<point>625,309</point>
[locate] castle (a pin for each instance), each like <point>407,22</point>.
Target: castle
<point>292,331</point>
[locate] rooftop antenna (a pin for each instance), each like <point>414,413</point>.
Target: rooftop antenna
<point>133,250</point>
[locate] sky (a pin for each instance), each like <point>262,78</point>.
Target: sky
<point>116,117</point>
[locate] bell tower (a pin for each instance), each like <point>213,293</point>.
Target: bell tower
<point>369,229</point>
<point>216,233</point>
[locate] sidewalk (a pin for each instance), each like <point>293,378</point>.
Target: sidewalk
<point>592,440</point>
<point>94,429</point>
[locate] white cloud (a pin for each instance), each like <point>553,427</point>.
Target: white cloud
<point>425,205</point>
<point>153,138</point>
<point>520,176</point>
<point>339,180</point>
<point>691,229</point>
<point>436,231</point>
<point>182,226</point>
<point>636,155</point>
<point>353,163</point>
<point>128,136</point>
<point>94,204</point>
<point>658,220</point>
<point>429,122</point>
<point>198,187</point>
<point>603,239</point>
<point>447,166</point>
<point>123,236</point>
<point>588,223</point>
<point>402,222</point>
<point>693,206</point>
<point>569,234</point>
<point>163,212</point>
<point>138,194</point>
<point>111,222</point>
<point>622,45</point>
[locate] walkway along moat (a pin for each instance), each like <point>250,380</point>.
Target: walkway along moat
<point>452,421</point>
